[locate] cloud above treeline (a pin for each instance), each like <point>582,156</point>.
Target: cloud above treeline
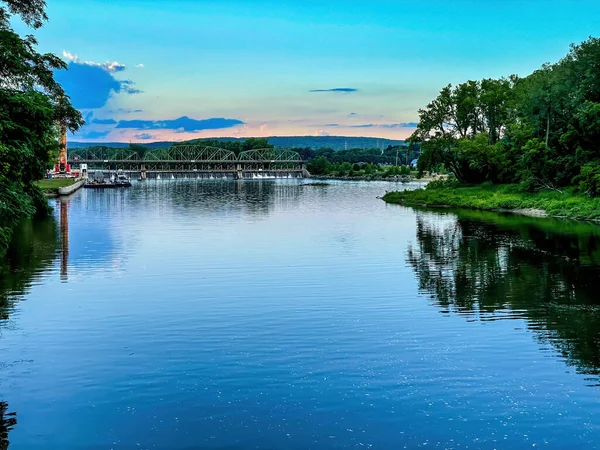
<point>338,90</point>
<point>125,111</point>
<point>104,121</point>
<point>182,125</point>
<point>89,84</point>
<point>400,125</point>
<point>119,129</point>
<point>144,136</point>
<point>95,134</point>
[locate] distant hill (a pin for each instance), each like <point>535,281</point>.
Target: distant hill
<point>314,142</point>
<point>75,144</point>
<point>332,142</point>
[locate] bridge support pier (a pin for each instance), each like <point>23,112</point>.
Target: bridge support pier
<point>239,173</point>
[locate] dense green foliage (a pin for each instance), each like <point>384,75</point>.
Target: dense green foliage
<point>499,197</point>
<point>541,131</point>
<point>357,162</point>
<point>322,166</point>
<point>401,154</point>
<point>31,106</point>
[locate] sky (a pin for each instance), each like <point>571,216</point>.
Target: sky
<point>142,70</point>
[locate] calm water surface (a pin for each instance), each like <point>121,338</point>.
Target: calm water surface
<point>267,314</point>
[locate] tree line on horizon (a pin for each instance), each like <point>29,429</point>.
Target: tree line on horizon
<point>541,131</point>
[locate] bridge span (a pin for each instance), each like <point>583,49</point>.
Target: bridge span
<point>194,161</point>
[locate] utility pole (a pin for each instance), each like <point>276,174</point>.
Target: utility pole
<point>397,148</point>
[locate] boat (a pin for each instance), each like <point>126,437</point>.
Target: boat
<point>120,179</point>
<point>98,181</point>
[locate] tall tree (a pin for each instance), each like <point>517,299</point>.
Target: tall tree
<point>32,105</point>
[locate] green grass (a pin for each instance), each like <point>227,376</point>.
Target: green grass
<point>51,185</point>
<point>500,197</point>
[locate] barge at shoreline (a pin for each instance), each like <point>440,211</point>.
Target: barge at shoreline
<point>118,180</point>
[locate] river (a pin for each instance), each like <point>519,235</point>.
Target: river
<point>275,315</point>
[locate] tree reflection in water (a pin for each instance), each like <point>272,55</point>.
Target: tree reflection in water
<point>7,422</point>
<point>491,266</point>
<point>32,250</point>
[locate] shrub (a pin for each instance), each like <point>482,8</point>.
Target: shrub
<point>442,183</point>
<point>588,182</point>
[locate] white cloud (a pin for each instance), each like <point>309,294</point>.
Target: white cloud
<point>70,56</point>
<point>109,66</point>
<point>140,65</point>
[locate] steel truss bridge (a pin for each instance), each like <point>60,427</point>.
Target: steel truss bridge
<point>190,159</point>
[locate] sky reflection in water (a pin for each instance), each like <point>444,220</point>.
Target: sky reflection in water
<point>275,315</point>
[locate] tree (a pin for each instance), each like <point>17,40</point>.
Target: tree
<point>140,150</point>
<point>435,118</point>
<point>255,144</point>
<point>465,115</point>
<point>541,130</point>
<point>32,12</point>
<point>318,166</point>
<point>33,106</point>
<point>494,99</point>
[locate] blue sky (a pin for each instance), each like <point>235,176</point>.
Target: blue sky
<point>144,70</point>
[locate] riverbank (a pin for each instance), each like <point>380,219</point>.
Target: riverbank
<point>53,187</point>
<point>502,198</point>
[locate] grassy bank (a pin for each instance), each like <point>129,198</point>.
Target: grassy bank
<point>52,185</point>
<point>501,197</point>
